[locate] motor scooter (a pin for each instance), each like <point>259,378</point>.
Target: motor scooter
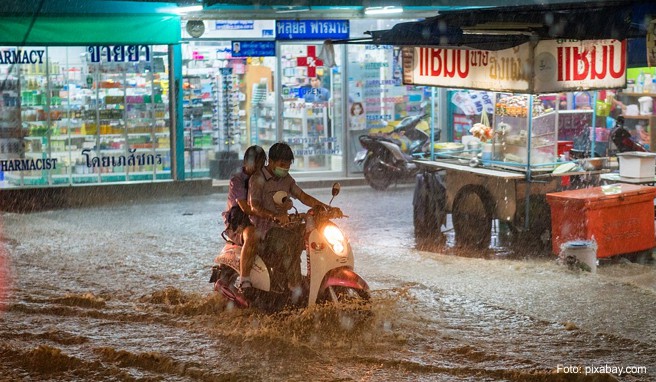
<point>330,275</point>
<point>386,158</point>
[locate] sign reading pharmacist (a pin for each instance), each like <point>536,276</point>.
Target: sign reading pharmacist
<point>549,66</point>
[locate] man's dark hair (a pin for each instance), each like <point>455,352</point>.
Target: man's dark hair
<point>281,151</point>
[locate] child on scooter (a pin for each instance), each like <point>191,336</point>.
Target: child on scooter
<point>239,229</point>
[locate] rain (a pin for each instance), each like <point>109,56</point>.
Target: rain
<point>121,292</point>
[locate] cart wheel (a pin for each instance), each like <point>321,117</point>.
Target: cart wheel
<point>429,208</point>
<point>473,210</point>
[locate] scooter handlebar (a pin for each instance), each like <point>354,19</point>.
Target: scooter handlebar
<point>319,213</point>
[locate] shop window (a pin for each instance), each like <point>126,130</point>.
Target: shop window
<point>229,104</point>
<point>311,109</point>
<point>378,100</point>
<point>78,115</point>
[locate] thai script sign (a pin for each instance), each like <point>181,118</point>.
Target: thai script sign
<point>227,25</point>
<point>253,49</point>
<point>121,160</point>
<point>312,29</point>
<point>552,65</point>
<point>21,56</point>
<point>579,65</point>
<point>119,53</point>
<point>504,70</point>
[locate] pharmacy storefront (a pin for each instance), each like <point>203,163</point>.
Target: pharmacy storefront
<point>265,81</point>
<point>79,109</point>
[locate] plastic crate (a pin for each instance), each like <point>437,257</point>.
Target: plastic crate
<point>618,217</point>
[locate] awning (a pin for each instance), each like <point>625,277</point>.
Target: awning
<point>68,30</point>
<point>505,27</point>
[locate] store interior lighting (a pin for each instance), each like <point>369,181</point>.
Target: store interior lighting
<point>290,9</point>
<point>390,10</point>
<point>189,9</point>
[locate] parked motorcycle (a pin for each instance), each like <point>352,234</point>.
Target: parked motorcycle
<point>330,275</point>
<point>622,139</point>
<point>618,136</point>
<point>386,158</point>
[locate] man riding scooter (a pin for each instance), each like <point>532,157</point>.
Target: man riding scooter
<point>269,217</point>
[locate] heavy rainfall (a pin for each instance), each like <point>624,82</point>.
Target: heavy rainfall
<point>121,293</point>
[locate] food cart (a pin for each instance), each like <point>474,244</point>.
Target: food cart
<point>520,51</point>
<point>519,163</point>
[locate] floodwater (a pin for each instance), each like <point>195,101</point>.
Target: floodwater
<point>120,293</point>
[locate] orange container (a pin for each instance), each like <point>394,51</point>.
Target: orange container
<point>619,217</point>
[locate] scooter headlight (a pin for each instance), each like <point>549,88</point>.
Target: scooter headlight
<point>335,238</point>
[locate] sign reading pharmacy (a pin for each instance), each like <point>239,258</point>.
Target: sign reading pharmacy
<point>21,56</point>
<point>312,29</point>
<point>549,66</point>
<point>253,49</point>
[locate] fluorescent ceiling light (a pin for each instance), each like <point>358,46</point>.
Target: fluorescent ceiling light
<point>382,10</point>
<point>190,8</point>
<point>290,9</point>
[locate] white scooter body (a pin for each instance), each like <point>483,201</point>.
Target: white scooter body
<point>230,256</point>
<point>325,267</point>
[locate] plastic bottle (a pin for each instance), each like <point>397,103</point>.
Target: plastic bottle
<point>640,82</point>
<point>646,87</point>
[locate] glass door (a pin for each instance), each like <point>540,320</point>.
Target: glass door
<point>311,108</point>
<point>229,105</point>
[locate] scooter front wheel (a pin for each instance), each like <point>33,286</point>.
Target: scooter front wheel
<point>345,295</point>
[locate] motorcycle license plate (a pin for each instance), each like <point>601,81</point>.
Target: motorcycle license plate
<point>360,156</point>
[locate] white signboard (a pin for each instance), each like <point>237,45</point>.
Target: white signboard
<point>564,65</point>
<point>503,70</point>
<point>235,29</point>
<point>552,66</point>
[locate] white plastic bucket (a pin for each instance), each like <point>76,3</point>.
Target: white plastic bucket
<point>585,252</point>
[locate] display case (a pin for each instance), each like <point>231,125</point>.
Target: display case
<point>11,131</point>
<point>523,137</point>
<point>200,112</point>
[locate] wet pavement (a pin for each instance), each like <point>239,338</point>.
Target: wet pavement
<point>120,293</point>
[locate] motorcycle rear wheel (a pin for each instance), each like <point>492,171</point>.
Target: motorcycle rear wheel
<point>376,174</point>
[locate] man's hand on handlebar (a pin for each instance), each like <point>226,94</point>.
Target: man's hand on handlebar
<point>281,219</point>
<point>336,211</point>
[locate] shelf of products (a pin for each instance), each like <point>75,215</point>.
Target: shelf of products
<point>91,122</point>
<point>639,116</point>
<point>200,118</point>
<point>305,126</point>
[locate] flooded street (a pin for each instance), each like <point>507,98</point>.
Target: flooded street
<point>121,293</point>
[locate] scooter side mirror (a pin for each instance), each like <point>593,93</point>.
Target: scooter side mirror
<point>335,191</point>
<point>336,188</point>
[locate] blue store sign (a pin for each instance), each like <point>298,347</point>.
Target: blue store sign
<point>253,49</point>
<point>312,29</point>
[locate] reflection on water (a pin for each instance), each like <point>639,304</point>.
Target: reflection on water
<point>121,294</point>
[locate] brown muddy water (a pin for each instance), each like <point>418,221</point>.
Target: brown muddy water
<point>120,293</point>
